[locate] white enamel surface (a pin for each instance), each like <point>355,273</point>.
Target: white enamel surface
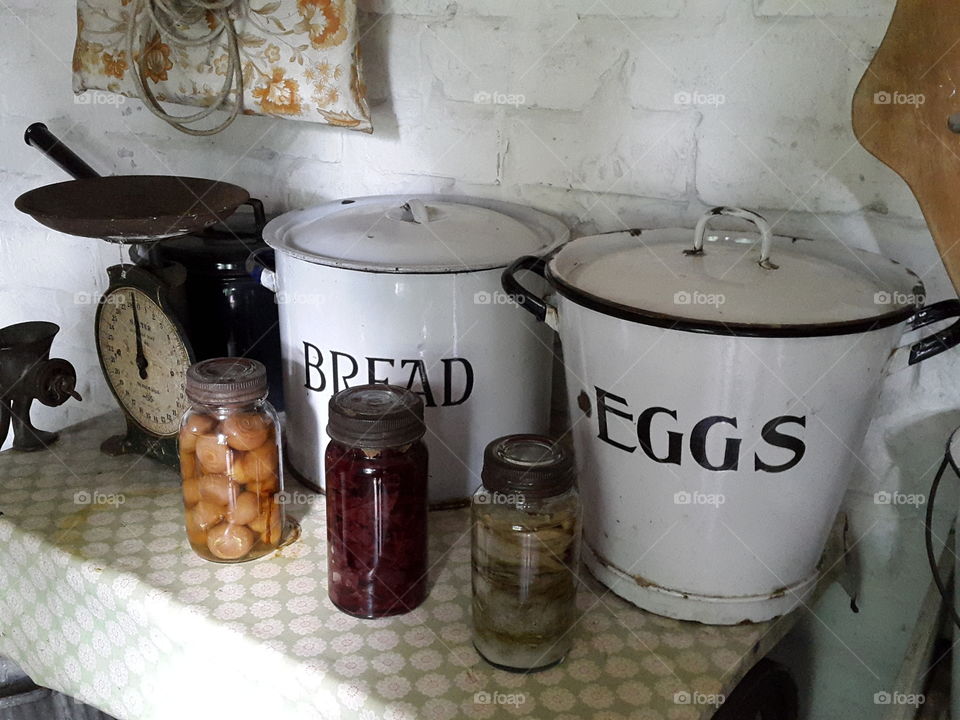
<point>430,234</point>
<point>770,528</point>
<point>710,609</point>
<point>815,281</point>
<point>413,317</point>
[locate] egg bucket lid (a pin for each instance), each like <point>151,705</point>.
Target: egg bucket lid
<point>735,283</point>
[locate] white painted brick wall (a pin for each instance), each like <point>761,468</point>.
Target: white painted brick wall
<point>823,8</point>
<point>599,134</point>
<point>531,8</point>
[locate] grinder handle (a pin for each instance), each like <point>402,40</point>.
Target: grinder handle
<point>53,382</point>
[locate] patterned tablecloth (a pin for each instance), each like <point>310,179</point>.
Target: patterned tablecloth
<point>102,598</point>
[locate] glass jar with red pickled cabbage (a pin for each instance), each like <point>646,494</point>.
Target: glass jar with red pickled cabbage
<point>376,473</point>
<point>230,462</point>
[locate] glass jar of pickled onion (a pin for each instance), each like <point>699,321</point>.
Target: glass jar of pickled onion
<point>525,553</point>
<point>230,462</point>
<point>376,473</point>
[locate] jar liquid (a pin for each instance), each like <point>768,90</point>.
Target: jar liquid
<point>377,528</point>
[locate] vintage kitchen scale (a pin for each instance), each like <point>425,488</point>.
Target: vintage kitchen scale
<point>185,297</point>
<point>144,353</point>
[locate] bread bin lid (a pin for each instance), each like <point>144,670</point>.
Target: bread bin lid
<point>410,234</point>
<point>735,283</point>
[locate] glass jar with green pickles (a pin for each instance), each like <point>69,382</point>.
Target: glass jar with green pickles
<point>525,543</point>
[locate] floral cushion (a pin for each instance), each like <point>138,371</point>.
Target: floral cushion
<point>300,60</point>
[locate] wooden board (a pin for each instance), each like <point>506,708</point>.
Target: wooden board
<point>902,109</point>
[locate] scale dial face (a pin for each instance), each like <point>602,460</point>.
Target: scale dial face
<point>144,358</point>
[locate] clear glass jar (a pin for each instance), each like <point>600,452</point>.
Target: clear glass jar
<point>376,487</point>
<point>230,462</point>
<point>525,554</point>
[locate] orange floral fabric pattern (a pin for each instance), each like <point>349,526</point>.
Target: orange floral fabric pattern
<point>299,60</point>
<point>280,96</point>
<point>115,66</point>
<point>156,59</point>
<point>323,21</point>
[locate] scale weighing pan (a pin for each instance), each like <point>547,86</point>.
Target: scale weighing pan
<point>123,208</point>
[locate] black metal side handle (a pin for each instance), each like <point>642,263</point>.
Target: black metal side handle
<point>38,136</point>
<point>259,216</point>
<point>938,342</point>
<point>525,299</point>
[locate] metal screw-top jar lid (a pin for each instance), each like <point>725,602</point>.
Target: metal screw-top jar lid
<point>530,465</point>
<point>376,416</point>
<point>226,381</point>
